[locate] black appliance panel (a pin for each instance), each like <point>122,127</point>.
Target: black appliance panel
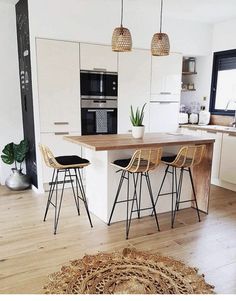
<point>98,84</point>
<point>91,125</point>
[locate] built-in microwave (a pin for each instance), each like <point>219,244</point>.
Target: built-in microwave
<point>98,84</point>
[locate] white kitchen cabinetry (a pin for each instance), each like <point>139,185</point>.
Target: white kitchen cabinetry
<point>59,147</point>
<point>228,159</point>
<point>166,76</point>
<point>216,152</point>
<point>58,85</point>
<point>97,57</point>
<point>164,116</point>
<point>134,73</point>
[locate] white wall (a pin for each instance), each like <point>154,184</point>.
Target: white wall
<point>224,37</point>
<point>10,104</point>
<point>94,20</point>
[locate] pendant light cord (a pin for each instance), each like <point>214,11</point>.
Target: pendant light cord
<point>122,12</point>
<point>161,16</point>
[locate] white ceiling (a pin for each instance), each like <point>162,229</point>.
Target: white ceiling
<point>206,11</point>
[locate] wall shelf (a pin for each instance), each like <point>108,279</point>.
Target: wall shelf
<point>188,90</point>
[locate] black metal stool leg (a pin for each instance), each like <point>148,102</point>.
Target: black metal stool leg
<point>127,208</point>
<point>77,192</point>
<point>58,210</point>
<point>135,181</point>
<point>140,194</point>
<point>73,190</point>
<point>84,196</point>
<point>194,193</point>
<point>176,186</point>
<point>160,189</point>
<point>117,195</point>
<point>178,197</point>
<point>151,197</point>
<point>135,198</point>
<point>50,194</point>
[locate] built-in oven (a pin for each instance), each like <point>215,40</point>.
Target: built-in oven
<point>99,116</point>
<point>98,84</point>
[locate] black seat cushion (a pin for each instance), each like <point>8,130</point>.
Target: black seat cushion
<point>168,158</point>
<point>71,160</point>
<point>122,162</point>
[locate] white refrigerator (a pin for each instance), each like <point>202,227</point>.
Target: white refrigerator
<point>164,115</point>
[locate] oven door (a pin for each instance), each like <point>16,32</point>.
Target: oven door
<point>92,84</point>
<point>99,121</point>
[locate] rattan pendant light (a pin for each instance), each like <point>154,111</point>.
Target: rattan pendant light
<point>121,38</point>
<point>160,41</point>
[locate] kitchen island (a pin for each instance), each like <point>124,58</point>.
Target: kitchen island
<point>102,179</point>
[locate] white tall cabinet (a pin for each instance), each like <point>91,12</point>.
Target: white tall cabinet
<point>59,96</point>
<point>166,76</point>
<point>165,92</point>
<point>134,77</point>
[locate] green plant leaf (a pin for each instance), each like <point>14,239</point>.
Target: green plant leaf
<point>137,117</point>
<point>8,154</point>
<point>20,150</point>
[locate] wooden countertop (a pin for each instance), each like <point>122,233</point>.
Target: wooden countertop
<point>126,141</point>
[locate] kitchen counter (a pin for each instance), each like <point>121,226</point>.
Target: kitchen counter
<point>126,141</point>
<point>102,179</point>
<point>211,128</point>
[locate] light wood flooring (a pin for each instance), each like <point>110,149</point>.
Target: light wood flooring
<point>29,251</point>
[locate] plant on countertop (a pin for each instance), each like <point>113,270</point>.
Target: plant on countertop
<point>137,116</point>
<point>15,153</point>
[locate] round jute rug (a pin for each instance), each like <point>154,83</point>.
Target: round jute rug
<point>127,272</point>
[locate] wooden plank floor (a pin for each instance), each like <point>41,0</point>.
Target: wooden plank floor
<point>29,251</point>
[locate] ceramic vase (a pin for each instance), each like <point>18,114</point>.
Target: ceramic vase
<point>17,180</point>
<point>138,132</point>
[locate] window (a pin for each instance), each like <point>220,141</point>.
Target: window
<point>223,86</point>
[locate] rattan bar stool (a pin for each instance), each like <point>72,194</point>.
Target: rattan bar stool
<point>187,157</point>
<point>138,167</point>
<point>71,167</point>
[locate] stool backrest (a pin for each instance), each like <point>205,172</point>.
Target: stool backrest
<point>144,160</point>
<point>189,156</point>
<point>48,157</point>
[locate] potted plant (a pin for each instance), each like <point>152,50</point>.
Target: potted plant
<point>137,122</point>
<point>16,153</point>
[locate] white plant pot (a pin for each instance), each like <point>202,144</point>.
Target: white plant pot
<point>138,131</point>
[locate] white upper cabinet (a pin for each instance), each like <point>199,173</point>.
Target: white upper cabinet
<point>166,76</point>
<point>58,85</point>
<point>134,86</point>
<point>98,57</point>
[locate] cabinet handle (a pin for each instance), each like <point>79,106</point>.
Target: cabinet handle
<point>165,93</point>
<point>61,133</point>
<point>61,123</point>
<point>232,134</point>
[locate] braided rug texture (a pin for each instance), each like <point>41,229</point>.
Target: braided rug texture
<point>127,272</point>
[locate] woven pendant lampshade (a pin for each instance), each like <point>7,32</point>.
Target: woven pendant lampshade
<point>121,38</point>
<point>160,45</point>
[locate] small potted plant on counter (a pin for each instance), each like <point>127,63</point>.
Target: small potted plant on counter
<point>137,122</point>
<point>16,153</point>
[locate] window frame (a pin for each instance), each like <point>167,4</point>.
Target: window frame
<point>216,57</point>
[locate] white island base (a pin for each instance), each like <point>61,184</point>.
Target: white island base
<point>102,182</point>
